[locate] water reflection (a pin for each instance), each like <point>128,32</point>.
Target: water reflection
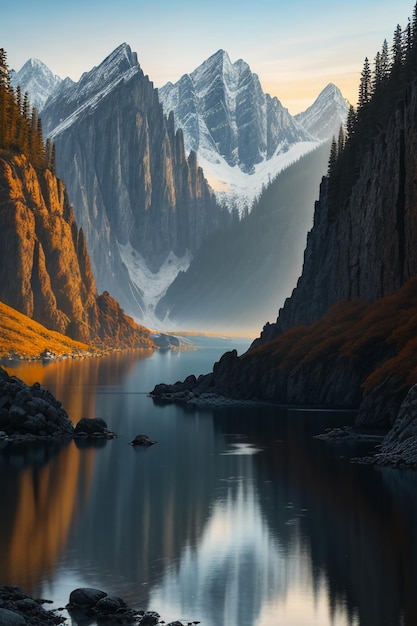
<point>236,516</point>
<point>42,501</point>
<point>75,382</point>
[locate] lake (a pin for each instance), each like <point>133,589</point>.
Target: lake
<point>236,516</point>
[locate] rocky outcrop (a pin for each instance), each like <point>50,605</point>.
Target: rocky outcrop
<point>19,609</point>
<point>399,447</point>
<point>30,412</point>
<point>93,428</point>
<point>136,195</point>
<point>45,271</point>
<point>86,605</point>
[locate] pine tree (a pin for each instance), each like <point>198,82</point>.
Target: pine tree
<point>4,70</point>
<point>397,51</point>
<point>365,86</point>
<point>414,27</point>
<point>341,141</point>
<point>384,61</point>
<point>351,122</point>
<point>332,157</point>
<point>6,100</point>
<point>378,77</point>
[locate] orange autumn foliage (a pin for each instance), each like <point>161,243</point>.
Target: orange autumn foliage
<point>380,336</point>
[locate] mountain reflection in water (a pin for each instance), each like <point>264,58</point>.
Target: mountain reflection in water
<point>236,516</point>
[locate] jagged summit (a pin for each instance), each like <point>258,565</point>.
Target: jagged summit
<point>327,113</point>
<point>224,112</point>
<point>243,136</point>
<point>144,206</point>
<point>37,80</point>
<point>71,100</point>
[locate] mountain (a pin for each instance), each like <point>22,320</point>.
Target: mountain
<point>37,80</point>
<point>144,206</point>
<point>241,275</point>
<point>45,269</point>
<point>325,116</point>
<point>243,137</point>
<point>346,336</point>
<point>142,232</point>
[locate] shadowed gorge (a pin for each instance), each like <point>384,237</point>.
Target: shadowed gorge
<point>346,336</point>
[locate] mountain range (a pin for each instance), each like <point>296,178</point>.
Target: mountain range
<point>131,158</point>
<point>243,137</point>
<point>346,337</point>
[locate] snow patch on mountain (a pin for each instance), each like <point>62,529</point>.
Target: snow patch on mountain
<point>152,285</point>
<point>242,136</point>
<point>237,189</point>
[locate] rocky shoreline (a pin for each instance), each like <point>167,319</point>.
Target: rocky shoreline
<point>86,605</point>
<point>396,447</point>
<point>30,413</point>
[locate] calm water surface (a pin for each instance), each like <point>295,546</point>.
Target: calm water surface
<point>237,516</point>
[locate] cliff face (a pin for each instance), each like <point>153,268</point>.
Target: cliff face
<point>137,196</point>
<point>45,270</point>
<point>347,335</point>
<point>368,249</point>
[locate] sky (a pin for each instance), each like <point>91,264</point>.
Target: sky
<point>295,47</point>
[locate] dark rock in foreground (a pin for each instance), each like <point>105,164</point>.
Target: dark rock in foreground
<point>399,446</point>
<point>18,609</point>
<point>30,412</point>
<point>85,605</point>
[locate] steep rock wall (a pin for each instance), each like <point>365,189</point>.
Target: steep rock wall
<point>368,250</point>
<point>127,174</point>
<point>45,270</point>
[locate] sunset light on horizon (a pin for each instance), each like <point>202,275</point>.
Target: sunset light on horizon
<point>296,49</point>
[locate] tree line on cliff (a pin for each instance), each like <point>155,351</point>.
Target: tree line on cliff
<point>20,124</point>
<point>380,88</point>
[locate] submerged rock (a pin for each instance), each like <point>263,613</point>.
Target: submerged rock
<point>94,427</point>
<point>142,440</point>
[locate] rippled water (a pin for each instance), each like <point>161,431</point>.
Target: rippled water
<point>236,516</point>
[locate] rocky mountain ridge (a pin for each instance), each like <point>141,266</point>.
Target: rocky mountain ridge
<point>144,206</point>
<point>36,79</point>
<point>45,271</point>
<point>113,141</point>
<point>244,137</point>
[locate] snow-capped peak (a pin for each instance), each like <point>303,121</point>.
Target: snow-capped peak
<point>37,80</point>
<point>327,113</point>
<point>236,129</point>
<point>78,98</point>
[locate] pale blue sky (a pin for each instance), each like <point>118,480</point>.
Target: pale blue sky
<point>296,47</point>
